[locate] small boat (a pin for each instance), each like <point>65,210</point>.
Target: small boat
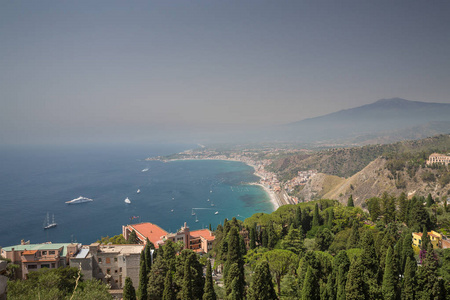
<point>216,213</point>
<point>196,220</point>
<point>144,170</point>
<point>80,199</point>
<point>138,191</point>
<point>208,200</point>
<point>127,201</point>
<point>47,224</point>
<point>193,212</point>
<point>171,210</point>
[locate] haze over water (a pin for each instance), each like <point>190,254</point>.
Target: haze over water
<point>36,181</point>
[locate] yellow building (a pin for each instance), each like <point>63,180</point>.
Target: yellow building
<point>435,238</point>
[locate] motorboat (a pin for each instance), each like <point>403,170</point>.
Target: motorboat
<point>138,191</point>
<point>80,199</point>
<point>216,213</point>
<point>127,201</point>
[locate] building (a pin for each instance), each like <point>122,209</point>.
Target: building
<point>109,263</point>
<point>437,158</point>
<point>32,257</point>
<point>198,240</point>
<point>437,239</point>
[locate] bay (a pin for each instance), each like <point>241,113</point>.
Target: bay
<point>37,180</point>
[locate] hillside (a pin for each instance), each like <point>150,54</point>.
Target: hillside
<point>386,120</point>
<point>400,168</point>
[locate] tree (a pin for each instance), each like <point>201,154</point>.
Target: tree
<point>324,238</point>
<point>330,218</point>
<point>409,279</point>
<point>430,200</point>
<point>186,290</point>
<point>129,292</point>
<point>261,287</point>
<point>316,216</point>
<point>148,254</point>
<point>373,205</point>
<point>236,283</point>
<point>428,277</point>
<point>310,289</point>
<point>354,288</point>
<point>169,292</point>
<point>209,293</point>
<point>156,278</point>
<point>279,263</point>
<point>252,237</point>
<point>298,217</point>
<point>143,279</point>
<point>403,207</point>
<point>370,265</point>
<point>350,201</point>
<point>353,241</point>
<point>390,284</point>
<point>132,238</point>
<point>293,241</point>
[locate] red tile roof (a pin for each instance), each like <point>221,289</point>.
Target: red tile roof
<point>29,252</point>
<point>149,230</point>
<point>204,233</point>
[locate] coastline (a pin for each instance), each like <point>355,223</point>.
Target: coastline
<point>273,198</point>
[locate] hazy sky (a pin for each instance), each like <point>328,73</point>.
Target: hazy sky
<point>79,71</point>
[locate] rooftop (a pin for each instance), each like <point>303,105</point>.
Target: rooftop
<point>122,248</point>
<point>48,246</point>
<point>151,231</point>
<point>205,233</point>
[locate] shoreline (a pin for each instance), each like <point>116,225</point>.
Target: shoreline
<point>273,198</point>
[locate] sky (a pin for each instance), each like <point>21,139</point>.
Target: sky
<point>102,71</point>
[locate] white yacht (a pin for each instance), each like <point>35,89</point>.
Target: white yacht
<point>216,213</point>
<point>80,199</point>
<point>47,223</point>
<point>127,201</point>
<point>138,191</point>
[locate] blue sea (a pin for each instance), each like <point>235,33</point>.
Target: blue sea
<point>37,180</point>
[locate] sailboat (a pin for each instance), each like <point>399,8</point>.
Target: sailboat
<point>193,212</point>
<point>196,220</point>
<point>47,224</point>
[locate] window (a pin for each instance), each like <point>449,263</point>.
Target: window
<point>99,260</point>
<point>45,266</point>
<point>108,271</point>
<point>31,267</point>
<point>53,265</point>
<point>120,269</point>
<point>115,271</point>
<point>51,252</point>
<point>115,259</point>
<point>108,260</point>
<point>44,252</point>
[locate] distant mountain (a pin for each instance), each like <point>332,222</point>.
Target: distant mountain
<point>385,120</point>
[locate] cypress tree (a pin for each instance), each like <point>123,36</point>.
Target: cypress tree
<point>293,241</point>
<point>407,250</point>
<point>234,259</point>
<point>316,216</point>
<point>389,287</point>
<point>209,293</point>
<point>143,279</point>
<point>273,238</point>
<point>430,200</point>
<point>425,240</point>
<point>298,217</point>
<point>261,287</point>
<point>311,290</point>
<point>148,255</point>
<point>235,284</point>
<point>354,288</point>
<point>370,265</point>
<point>252,237</point>
<point>403,207</point>
<point>409,279</point>
<point>186,289</point>
<point>350,201</point>
<point>156,278</point>
<point>427,275</point>
<point>264,238</point>
<point>331,219</point>
<point>169,292</point>
<point>129,292</point>
<point>353,241</point>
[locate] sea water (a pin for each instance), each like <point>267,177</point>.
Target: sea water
<point>37,180</point>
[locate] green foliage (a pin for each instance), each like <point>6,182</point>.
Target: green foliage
<point>208,292</point>
<point>115,240</point>
<point>310,289</point>
<point>280,262</point>
<point>261,287</point>
<point>409,279</point>
<point>350,201</point>
<point>390,278</point>
<point>324,238</point>
<point>143,279</point>
<point>169,291</point>
<point>354,288</point>
<point>293,241</point>
<point>132,238</point>
<point>129,292</point>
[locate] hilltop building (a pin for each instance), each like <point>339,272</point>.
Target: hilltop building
<point>32,257</point>
<point>437,158</point>
<point>437,240</point>
<point>109,263</point>
<point>198,240</point>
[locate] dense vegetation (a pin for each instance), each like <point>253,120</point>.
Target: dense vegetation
<point>57,284</point>
<point>345,162</point>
